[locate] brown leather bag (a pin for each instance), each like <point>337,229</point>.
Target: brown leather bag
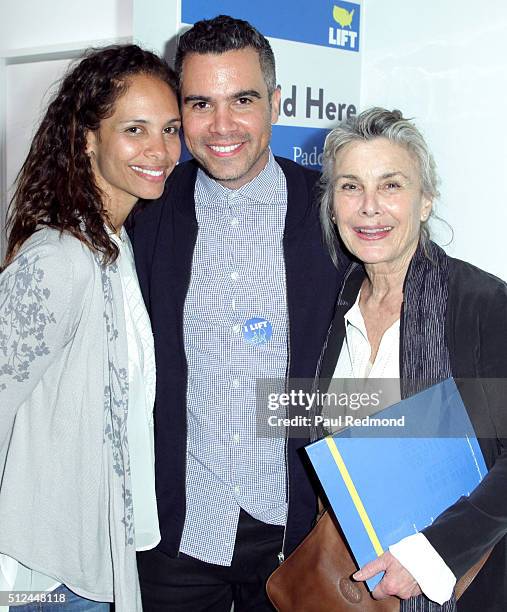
<point>316,577</point>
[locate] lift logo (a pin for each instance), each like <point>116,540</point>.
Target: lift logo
<point>344,33</point>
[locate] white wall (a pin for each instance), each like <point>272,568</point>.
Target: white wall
<point>37,41</point>
<point>445,64</point>
<point>34,23</point>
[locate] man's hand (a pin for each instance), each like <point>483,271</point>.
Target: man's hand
<point>396,581</point>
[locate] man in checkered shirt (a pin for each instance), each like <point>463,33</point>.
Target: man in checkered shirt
<point>239,287</point>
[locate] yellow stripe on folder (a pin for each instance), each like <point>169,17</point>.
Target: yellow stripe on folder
<point>361,510</point>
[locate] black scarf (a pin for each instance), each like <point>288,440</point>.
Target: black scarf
<point>424,356</point>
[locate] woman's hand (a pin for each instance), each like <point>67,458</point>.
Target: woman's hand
<point>396,581</point>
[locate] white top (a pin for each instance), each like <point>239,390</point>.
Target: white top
<point>354,358</point>
<point>414,552</point>
<point>142,376</point>
<point>141,359</point>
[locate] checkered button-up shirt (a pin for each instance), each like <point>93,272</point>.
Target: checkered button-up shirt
<point>238,274</point>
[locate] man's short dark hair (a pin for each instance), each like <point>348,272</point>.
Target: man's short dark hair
<point>224,33</point>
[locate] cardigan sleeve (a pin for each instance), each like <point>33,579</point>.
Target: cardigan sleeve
<point>35,298</point>
<point>474,524</point>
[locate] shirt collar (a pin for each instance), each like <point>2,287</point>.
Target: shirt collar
<point>121,240</point>
<point>268,187</point>
<point>354,317</point>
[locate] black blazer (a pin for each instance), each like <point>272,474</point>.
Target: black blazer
<point>476,335</point>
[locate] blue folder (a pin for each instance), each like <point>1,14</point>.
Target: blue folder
<point>383,489</point>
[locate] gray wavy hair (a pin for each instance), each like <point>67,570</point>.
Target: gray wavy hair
<point>370,124</point>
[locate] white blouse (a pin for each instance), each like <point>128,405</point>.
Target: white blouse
<point>354,359</point>
<point>414,552</point>
<point>142,378</point>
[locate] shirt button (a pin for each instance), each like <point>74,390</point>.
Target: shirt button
<point>235,437</point>
<point>236,329</point>
<point>235,383</point>
<point>235,222</point>
<point>237,489</point>
<point>234,276</point>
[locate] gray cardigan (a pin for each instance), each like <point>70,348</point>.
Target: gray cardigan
<point>65,495</point>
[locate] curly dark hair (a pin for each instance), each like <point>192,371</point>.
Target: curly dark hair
<point>55,186</point>
<point>224,33</point>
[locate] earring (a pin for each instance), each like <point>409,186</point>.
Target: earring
<point>333,219</point>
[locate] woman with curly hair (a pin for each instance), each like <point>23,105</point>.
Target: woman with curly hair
<point>77,371</point>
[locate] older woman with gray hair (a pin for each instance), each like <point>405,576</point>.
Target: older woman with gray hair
<point>408,311</point>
